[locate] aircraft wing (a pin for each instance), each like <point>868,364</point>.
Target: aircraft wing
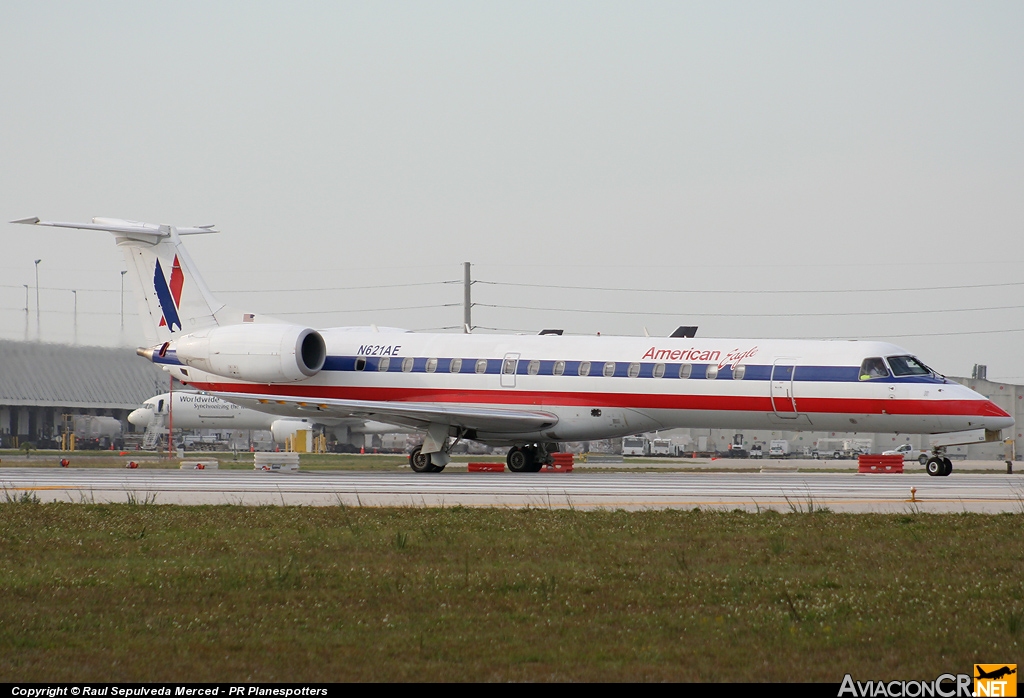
<point>413,414</point>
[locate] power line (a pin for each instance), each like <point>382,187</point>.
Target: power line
<point>746,291</point>
<point>334,288</point>
<point>366,310</point>
<point>59,288</point>
<point>743,315</point>
<point>751,265</point>
<point>922,334</point>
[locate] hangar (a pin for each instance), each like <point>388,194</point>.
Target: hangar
<point>40,383</point>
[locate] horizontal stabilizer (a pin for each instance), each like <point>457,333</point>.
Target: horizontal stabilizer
<point>121,227</point>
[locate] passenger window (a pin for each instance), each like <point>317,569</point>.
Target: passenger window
<point>360,364</point>
<point>481,365</point>
<point>534,368</point>
<point>873,368</point>
<point>659,370</point>
<point>685,370</point>
<point>559,368</point>
<point>431,365</point>
<point>455,366</point>
<point>634,370</point>
<point>385,361</point>
<point>609,369</point>
<point>407,364</point>
<point>712,373</point>
<point>509,367</point>
<point>584,368</point>
<point>738,372</point>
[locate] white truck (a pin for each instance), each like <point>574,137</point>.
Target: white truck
<point>778,448</point>
<point>909,453</point>
<point>635,446</point>
<point>661,447</point>
<point>830,448</point>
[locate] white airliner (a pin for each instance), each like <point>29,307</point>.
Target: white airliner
<point>528,392</point>
<point>192,410</point>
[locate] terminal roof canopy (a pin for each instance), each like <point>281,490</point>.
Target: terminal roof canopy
<point>44,375</point>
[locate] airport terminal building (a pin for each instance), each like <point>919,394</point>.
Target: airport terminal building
<point>41,383</point>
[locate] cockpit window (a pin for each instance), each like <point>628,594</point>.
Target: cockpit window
<point>908,366</point>
<point>873,368</point>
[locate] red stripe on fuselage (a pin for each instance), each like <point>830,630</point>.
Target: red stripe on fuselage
<point>723,403</point>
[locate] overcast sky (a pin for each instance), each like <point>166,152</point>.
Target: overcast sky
<point>710,156</point>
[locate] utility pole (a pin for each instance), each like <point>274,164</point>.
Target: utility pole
<point>38,333</point>
<point>170,420</point>
<point>467,303</point>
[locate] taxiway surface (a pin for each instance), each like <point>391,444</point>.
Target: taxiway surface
<point>840,492</point>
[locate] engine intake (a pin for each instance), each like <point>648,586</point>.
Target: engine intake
<point>256,353</point>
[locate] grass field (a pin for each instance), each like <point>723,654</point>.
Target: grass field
<point>145,593</point>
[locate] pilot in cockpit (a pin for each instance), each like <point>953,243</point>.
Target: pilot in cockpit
<point>873,368</point>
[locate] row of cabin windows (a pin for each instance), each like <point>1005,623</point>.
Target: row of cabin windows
<point>533,368</point>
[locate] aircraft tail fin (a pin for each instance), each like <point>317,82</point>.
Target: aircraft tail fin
<point>173,298</point>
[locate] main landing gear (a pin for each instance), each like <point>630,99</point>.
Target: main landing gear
<point>939,465</point>
<point>420,462</point>
<point>530,458</point>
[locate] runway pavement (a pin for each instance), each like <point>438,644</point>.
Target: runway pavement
<point>783,491</point>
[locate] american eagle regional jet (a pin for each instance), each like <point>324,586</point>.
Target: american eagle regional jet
<point>528,392</point>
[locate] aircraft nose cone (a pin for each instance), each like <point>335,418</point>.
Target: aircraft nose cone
<point>140,417</point>
<point>999,423</point>
<point>996,418</point>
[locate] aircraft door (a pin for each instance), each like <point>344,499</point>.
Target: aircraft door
<point>782,395</point>
<point>508,370</point>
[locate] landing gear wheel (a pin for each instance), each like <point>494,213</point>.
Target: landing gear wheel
<point>519,460</point>
<point>922,459</point>
<point>935,467</point>
<point>523,460</point>
<point>948,466</point>
<point>420,462</point>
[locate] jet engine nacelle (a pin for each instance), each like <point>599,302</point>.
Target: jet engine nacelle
<point>283,429</point>
<point>256,353</point>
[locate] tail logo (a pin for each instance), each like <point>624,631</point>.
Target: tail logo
<point>169,296</point>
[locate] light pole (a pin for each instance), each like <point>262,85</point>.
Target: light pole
<point>26,311</point>
<point>75,292</point>
<point>38,333</point>
<point>123,272</point>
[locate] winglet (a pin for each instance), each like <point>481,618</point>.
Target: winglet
<point>27,221</point>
